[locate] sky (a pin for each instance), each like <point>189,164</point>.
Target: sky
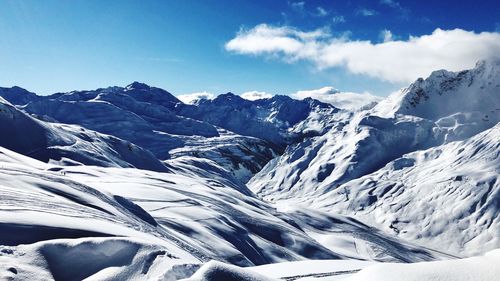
<point>244,46</point>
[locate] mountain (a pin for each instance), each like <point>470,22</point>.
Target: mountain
<point>130,183</point>
<point>144,116</point>
<point>75,222</point>
<point>372,151</point>
<point>271,119</point>
<point>234,136</point>
<point>69,144</point>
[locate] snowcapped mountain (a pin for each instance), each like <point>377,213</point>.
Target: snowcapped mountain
<point>144,116</point>
<point>429,114</point>
<point>206,133</point>
<point>69,144</point>
<point>131,183</point>
<point>271,119</point>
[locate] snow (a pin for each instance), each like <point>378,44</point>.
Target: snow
<point>305,268</point>
<point>215,271</point>
<point>129,183</point>
<point>195,218</point>
<point>482,268</point>
<point>59,143</point>
<point>479,268</point>
<point>363,165</point>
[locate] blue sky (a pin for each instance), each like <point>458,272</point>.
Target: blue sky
<point>182,46</point>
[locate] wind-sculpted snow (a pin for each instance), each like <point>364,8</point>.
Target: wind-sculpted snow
<point>81,221</point>
<point>69,144</point>
<point>441,115</point>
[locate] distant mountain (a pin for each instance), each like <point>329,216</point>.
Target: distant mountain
<point>69,144</point>
<point>271,119</point>
<point>144,116</point>
<point>429,114</point>
<point>204,134</point>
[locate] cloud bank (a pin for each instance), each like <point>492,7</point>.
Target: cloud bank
<point>194,97</point>
<point>344,100</point>
<point>394,61</point>
<point>256,95</point>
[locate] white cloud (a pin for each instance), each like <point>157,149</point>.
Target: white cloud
<point>194,97</point>
<point>345,100</point>
<point>256,95</point>
<point>386,35</point>
<point>394,61</point>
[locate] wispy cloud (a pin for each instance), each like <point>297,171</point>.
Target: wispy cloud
<point>403,11</point>
<point>321,12</point>
<point>394,61</point>
<point>297,6</point>
<point>391,3</point>
<point>338,19</point>
<point>366,12</point>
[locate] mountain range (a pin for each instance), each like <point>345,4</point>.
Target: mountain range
<point>131,183</point>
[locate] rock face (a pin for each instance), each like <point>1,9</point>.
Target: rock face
<point>446,112</point>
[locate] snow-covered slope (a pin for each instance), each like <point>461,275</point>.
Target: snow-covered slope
<point>480,268</point>
<point>446,197</point>
<point>74,222</point>
<point>431,113</point>
<point>143,116</point>
<point>271,119</point>
<point>69,144</point>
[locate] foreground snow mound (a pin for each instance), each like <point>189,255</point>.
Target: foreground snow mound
<point>69,144</point>
<point>312,269</point>
<point>484,268</point>
<point>333,166</point>
<point>217,271</point>
<point>95,258</point>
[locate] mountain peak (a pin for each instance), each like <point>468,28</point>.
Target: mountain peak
<point>138,86</point>
<point>17,95</point>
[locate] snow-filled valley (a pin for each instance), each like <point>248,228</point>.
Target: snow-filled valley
<point>129,183</point>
